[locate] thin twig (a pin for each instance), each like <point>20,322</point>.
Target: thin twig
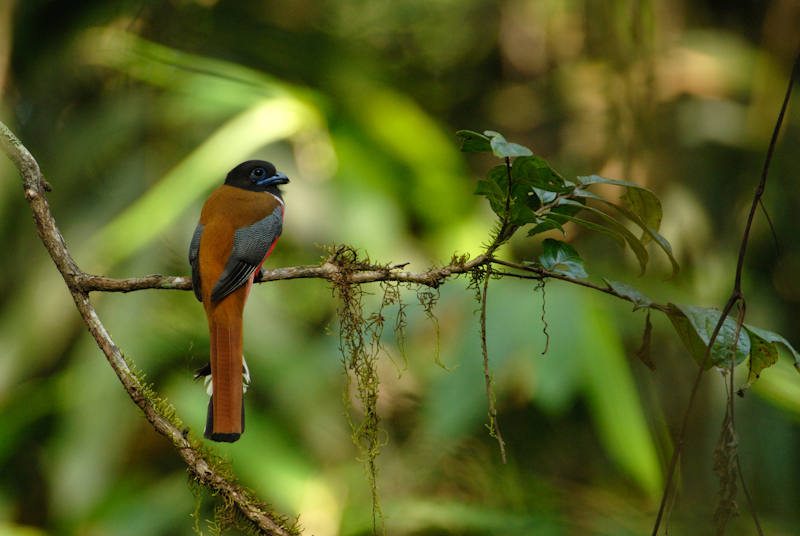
<point>763,182</point>
<point>671,505</point>
<point>487,372</point>
<point>736,296</point>
<point>544,312</point>
<point>542,274</point>
<point>685,423</point>
<point>731,403</point>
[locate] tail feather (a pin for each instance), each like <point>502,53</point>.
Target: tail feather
<point>225,420</point>
<point>208,433</point>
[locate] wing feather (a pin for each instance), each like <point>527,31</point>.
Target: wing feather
<point>251,246</point>
<point>194,261</point>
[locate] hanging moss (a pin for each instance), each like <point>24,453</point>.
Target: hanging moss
<point>360,362</point>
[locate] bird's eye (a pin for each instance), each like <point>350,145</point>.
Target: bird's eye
<point>258,173</point>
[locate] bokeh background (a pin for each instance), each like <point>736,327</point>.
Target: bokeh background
<point>135,110</point>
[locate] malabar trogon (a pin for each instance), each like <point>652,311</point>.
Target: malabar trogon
<point>240,223</point>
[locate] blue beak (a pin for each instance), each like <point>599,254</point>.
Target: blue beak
<point>278,178</point>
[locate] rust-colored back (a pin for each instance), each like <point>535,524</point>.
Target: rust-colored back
<point>227,209</point>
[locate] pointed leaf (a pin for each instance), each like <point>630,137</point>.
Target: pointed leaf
<point>629,214</point>
<point>639,250</point>
<point>763,354</point>
<point>547,224</point>
<point>611,233</point>
<point>560,257</point>
<point>695,325</point>
<point>544,195</point>
<point>662,242</point>
<point>495,189</point>
<point>521,214</point>
<point>644,351</point>
<point>766,354</point>
<point>580,192</point>
<point>553,218</point>
<point>640,200</point>
<point>473,142</point>
<point>505,149</point>
<point>688,336</point>
<point>597,179</point>
<point>774,337</point>
<point>646,205</point>
<point>533,171</point>
<point>640,301</point>
<point>493,193</point>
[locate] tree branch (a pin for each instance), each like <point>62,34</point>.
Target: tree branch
<point>203,466</point>
<point>736,296</point>
<point>332,269</point>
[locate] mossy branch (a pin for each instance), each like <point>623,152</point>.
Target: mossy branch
<point>345,272</point>
<point>332,269</point>
<point>204,467</point>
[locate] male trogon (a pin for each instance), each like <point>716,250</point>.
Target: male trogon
<point>240,223</point>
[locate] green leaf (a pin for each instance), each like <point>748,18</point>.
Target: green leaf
<point>774,337</point>
<point>505,149</point>
<point>547,223</point>
<point>662,242</point>
<point>644,351</point>
<point>545,196</point>
<point>495,188</point>
<point>534,172</point>
<point>640,200</point>
<point>646,205</point>
<point>640,301</point>
<point>611,233</point>
<point>586,194</point>
<point>560,257</point>
<point>525,197</point>
<point>628,213</point>
<point>554,218</point>
<point>639,250</point>
<point>695,325</point>
<point>521,214</point>
<point>474,142</point>
<point>597,179</point>
<point>493,193</point>
<point>764,353</point>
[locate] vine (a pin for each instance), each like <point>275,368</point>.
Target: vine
<point>360,360</point>
<point>541,286</point>
<point>428,296</point>
<point>493,426</point>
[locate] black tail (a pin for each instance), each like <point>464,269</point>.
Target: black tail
<point>222,438</point>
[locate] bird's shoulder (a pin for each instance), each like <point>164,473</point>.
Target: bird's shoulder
<point>233,206</point>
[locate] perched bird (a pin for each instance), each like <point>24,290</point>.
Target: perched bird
<point>240,223</point>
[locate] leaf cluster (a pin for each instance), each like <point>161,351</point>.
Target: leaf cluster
<point>525,191</point>
<point>695,325</point>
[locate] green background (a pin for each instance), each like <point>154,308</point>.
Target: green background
<point>135,110</point>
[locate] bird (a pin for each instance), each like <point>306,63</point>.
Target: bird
<point>240,223</point>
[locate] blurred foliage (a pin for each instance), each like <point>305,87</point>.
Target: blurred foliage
<point>136,108</point>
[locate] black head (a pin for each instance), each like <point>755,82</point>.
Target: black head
<point>256,176</point>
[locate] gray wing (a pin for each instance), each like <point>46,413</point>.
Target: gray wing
<point>194,255</point>
<point>251,245</point>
